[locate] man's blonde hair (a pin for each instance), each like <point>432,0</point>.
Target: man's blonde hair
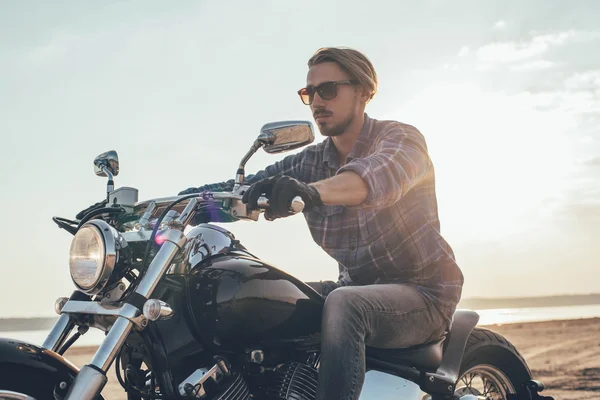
<point>353,62</point>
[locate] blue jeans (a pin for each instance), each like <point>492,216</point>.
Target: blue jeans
<point>383,316</point>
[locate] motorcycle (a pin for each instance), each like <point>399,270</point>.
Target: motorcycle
<point>197,316</point>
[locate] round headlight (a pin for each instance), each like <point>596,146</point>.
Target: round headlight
<point>93,256</point>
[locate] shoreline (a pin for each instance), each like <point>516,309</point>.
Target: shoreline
<point>500,326</point>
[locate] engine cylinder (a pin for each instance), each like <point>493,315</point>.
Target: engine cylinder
<point>293,381</point>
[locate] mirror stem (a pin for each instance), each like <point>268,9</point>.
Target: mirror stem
<point>241,174</point>
<point>110,185</point>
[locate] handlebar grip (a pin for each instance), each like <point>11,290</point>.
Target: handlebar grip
<point>296,206</point>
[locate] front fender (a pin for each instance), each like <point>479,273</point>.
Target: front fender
<point>35,371</point>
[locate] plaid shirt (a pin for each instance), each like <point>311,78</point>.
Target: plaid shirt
<point>394,235</point>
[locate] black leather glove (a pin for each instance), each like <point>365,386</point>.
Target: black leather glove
<point>281,190</point>
<point>190,191</point>
<point>210,187</point>
<point>99,204</point>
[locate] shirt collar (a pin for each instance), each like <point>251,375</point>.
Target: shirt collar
<point>330,155</point>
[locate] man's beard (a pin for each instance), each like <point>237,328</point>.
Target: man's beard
<point>338,129</point>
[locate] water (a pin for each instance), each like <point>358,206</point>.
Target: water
<point>534,314</point>
<point>487,317</point>
<point>92,338</point>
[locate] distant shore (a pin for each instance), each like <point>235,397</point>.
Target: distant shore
<point>526,302</point>
<point>46,323</point>
<point>563,354</point>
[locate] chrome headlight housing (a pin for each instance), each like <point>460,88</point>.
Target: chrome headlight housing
<point>93,256</point>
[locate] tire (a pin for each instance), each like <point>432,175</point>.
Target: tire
<point>491,366</point>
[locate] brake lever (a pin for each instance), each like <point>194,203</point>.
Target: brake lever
<point>296,206</point>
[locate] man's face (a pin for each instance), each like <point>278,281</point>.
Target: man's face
<point>335,115</point>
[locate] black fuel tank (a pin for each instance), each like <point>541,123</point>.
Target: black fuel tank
<point>238,302</point>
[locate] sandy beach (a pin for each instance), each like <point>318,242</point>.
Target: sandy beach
<point>564,355</point>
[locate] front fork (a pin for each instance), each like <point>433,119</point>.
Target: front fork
<point>91,379</point>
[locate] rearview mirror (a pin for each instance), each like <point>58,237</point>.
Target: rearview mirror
<point>108,160</point>
<point>277,137</point>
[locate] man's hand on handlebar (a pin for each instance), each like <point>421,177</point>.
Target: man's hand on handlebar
<point>281,190</point>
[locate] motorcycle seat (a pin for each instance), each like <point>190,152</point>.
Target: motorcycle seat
<point>424,357</point>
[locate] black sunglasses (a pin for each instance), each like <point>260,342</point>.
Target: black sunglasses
<point>326,91</point>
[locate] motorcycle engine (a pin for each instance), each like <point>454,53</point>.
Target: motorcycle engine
<point>293,381</point>
<point>290,381</point>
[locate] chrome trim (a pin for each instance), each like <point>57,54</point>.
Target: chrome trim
<point>107,164</point>
<point>126,310</point>
<point>112,344</point>
<point>203,241</point>
<point>164,310</point>
<point>186,214</point>
<point>137,236</point>
<point>59,333</point>
<point>87,384</point>
<point>281,136</point>
<point>159,201</point>
<point>143,222</point>
<point>110,239</point>
<point>257,356</point>
<point>240,210</point>
<point>8,395</point>
<point>240,174</point>
<point>195,382</point>
<point>162,201</point>
<point>125,197</point>
<point>172,215</point>
<point>59,304</point>
<point>174,241</point>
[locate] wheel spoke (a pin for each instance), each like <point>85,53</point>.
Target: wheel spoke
<point>489,382</point>
<point>486,387</point>
<point>471,380</point>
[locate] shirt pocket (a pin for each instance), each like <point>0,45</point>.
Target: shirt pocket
<point>373,224</point>
<point>325,223</point>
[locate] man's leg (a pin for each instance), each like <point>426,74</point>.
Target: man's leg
<point>383,316</point>
<point>324,287</point>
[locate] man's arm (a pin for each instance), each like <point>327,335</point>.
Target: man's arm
<point>290,166</point>
<point>399,162</point>
<point>347,189</point>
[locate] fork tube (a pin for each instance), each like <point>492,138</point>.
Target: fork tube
<point>91,379</point>
<point>61,329</point>
<point>174,240</point>
<point>111,345</point>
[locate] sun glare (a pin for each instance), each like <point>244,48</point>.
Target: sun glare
<point>498,158</point>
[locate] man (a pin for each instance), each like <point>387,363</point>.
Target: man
<point>370,203</point>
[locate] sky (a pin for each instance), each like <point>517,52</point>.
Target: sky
<point>507,94</point>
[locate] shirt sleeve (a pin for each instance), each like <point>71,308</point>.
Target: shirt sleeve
<point>290,165</point>
<point>399,160</point>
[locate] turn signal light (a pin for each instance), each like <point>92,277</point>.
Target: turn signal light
<point>156,309</point>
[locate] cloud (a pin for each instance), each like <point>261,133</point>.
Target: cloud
<point>464,51</point>
<point>506,52</point>
<point>589,140</point>
<point>591,162</point>
<point>584,80</point>
<point>533,65</point>
<point>509,52</point>
<point>501,24</point>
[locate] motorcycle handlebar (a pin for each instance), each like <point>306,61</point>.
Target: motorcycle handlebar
<point>296,206</point>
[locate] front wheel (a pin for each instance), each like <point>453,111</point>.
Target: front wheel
<point>491,367</point>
